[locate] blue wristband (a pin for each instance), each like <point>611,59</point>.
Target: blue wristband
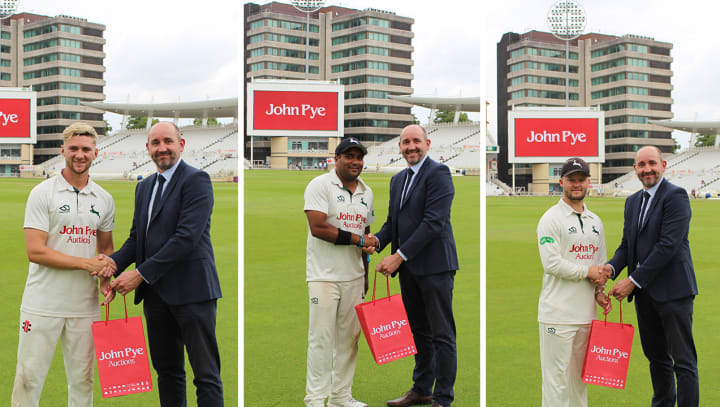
<point>362,241</point>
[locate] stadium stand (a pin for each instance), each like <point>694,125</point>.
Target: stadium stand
<point>697,168</point>
<point>123,155</point>
<point>458,146</point>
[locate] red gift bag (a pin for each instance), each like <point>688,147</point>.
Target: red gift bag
<point>121,355</point>
<point>608,353</point>
<point>386,328</point>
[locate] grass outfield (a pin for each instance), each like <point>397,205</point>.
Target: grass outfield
<point>514,278</point>
<point>276,311</point>
<point>15,269</point>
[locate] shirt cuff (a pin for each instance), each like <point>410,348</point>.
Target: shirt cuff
<point>401,255</point>
<point>140,274</point>
<point>634,282</point>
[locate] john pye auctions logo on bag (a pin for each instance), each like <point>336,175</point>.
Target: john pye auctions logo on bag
<point>121,357</point>
<point>388,330</point>
<point>609,355</point>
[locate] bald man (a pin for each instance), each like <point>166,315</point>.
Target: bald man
<point>423,253</point>
<point>661,279</point>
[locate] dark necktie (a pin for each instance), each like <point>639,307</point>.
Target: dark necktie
<point>408,177</point>
<point>158,194</point>
<point>646,199</point>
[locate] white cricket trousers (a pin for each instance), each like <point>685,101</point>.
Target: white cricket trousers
<point>562,352</point>
<point>38,339</point>
<point>333,335</point>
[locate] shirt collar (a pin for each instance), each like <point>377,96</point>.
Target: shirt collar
<point>570,211</point>
<point>417,166</point>
<point>64,185</point>
<point>337,181</point>
<point>167,174</point>
<point>652,190</point>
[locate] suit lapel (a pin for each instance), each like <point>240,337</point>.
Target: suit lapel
<point>168,190</point>
<point>418,179</point>
<point>659,194</point>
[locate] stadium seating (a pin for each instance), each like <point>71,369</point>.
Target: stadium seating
<point>458,146</point>
<point>123,155</point>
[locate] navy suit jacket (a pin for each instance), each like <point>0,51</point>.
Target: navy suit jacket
<point>420,226</point>
<point>660,246</point>
<point>174,255</point>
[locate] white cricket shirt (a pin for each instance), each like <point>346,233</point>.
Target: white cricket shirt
<point>569,243</point>
<point>351,212</point>
<point>71,220</point>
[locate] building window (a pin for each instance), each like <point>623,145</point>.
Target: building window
<point>72,58</point>
<point>70,29</point>
<point>348,24</point>
<point>5,35</point>
<point>70,43</point>
<point>378,37</point>
<point>378,22</point>
<point>377,94</point>
<point>39,31</point>
<point>607,65</point>
<point>5,62</point>
<point>4,76</point>
<point>517,52</point>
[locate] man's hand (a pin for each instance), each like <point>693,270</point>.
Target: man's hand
<point>622,289</point>
<point>389,264</point>
<point>370,241</point>
<point>110,267</point>
<point>603,301</point>
<point>106,290</point>
<point>368,250</point>
<point>607,268</point>
<point>94,265</point>
<point>127,281</point>
<point>597,275</point>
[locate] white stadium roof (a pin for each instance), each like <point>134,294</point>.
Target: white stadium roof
<point>183,110</point>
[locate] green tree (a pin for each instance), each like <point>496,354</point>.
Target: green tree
<point>447,116</point>
<point>211,121</point>
<point>415,119</point>
<point>136,122</point>
<point>705,140</point>
<point>108,127</point>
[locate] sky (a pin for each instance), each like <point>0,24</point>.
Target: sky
<point>691,26</point>
<point>440,32</point>
<point>446,46</point>
<point>160,54</point>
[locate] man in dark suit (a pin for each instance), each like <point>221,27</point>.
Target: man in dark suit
<point>423,253</point>
<point>175,271</point>
<point>661,279</point>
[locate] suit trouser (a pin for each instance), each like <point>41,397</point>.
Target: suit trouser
<point>428,303</point>
<point>562,353</point>
<point>38,339</point>
<point>667,341</point>
<point>333,335</point>
<point>171,330</point>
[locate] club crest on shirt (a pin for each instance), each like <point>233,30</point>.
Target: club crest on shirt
<point>362,201</point>
<point>597,232</point>
<point>92,210</point>
<point>64,209</point>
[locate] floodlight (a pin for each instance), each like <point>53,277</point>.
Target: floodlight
<point>566,19</point>
<point>307,7</point>
<point>7,8</point>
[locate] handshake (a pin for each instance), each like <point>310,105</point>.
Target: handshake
<point>370,243</point>
<point>598,275</point>
<point>101,266</point>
